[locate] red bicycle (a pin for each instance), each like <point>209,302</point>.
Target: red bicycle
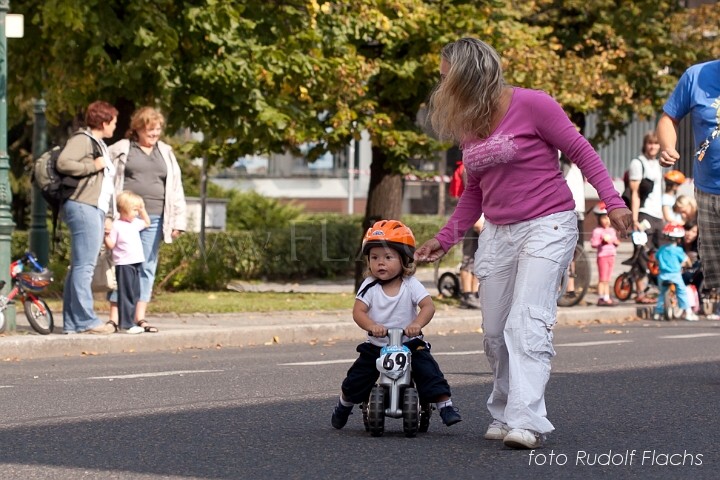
<point>29,278</point>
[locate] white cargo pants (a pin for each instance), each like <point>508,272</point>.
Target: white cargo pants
<point>520,267</point>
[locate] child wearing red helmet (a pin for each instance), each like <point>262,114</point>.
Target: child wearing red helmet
<point>671,257</point>
<point>391,297</point>
<point>604,239</point>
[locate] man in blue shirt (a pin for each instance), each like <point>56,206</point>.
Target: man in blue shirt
<point>698,94</point>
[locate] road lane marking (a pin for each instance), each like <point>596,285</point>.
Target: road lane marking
<point>350,360</point>
<point>592,344</point>
<point>154,374</point>
<point>471,352</point>
<point>319,362</point>
<point>692,335</point>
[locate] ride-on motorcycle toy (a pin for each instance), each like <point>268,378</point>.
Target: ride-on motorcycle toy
<point>395,395</point>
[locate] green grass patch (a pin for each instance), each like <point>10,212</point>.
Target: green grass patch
<point>231,302</point>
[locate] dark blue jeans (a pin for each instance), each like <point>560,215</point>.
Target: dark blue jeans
<point>426,374</point>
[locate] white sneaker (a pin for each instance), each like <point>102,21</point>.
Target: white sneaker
<point>497,430</point>
<point>691,317</point>
<point>521,438</point>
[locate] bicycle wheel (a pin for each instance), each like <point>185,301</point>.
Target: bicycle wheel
<point>449,285</point>
<point>39,315</point>
<point>579,272</point>
<point>623,286</point>
<point>672,310</point>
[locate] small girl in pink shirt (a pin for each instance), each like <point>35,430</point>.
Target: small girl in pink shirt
<point>604,238</point>
<point>124,241</point>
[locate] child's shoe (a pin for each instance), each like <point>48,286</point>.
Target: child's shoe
<point>450,415</point>
<point>690,316</point>
<point>340,415</point>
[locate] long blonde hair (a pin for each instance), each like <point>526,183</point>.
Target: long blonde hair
<point>462,105</point>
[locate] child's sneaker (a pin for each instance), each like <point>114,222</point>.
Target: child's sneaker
<point>450,415</point>
<point>340,415</point>
<point>497,430</point>
<point>522,438</point>
<point>691,317</point>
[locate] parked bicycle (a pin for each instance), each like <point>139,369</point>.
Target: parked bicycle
<point>28,279</point>
<point>642,264</point>
<point>576,281</point>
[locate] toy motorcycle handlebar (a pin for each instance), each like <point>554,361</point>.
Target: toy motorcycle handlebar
<point>388,333</point>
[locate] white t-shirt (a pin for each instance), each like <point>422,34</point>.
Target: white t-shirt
<point>393,312</point>
<point>128,248</point>
<point>653,171</point>
<point>576,182</point>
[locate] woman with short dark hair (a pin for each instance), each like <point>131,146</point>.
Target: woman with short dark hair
<point>87,214</point>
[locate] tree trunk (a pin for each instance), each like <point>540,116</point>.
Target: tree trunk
<point>384,201</point>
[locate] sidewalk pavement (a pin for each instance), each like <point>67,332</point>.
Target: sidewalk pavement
<point>204,331</point>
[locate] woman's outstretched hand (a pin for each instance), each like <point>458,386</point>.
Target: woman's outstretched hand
<point>430,251</point>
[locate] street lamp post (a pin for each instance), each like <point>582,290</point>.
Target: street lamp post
<point>39,236</point>
<point>6,221</point>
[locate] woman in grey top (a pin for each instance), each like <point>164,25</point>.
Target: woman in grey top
<point>86,156</point>
<point>147,166</point>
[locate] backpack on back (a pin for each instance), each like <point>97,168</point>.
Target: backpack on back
<point>55,187</point>
<point>644,189</point>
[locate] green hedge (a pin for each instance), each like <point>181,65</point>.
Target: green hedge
<point>315,246</point>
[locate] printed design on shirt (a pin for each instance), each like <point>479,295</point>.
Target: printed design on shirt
<point>496,150</point>
<point>714,134</point>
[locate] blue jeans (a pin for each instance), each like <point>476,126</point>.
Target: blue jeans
<point>86,224</point>
<point>150,238</point>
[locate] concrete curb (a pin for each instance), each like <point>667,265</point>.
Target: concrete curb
<point>242,330</point>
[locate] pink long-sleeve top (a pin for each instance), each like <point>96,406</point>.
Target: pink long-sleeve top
<point>605,240</point>
<point>514,175</point>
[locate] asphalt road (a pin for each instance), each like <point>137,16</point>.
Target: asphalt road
<point>628,401</point>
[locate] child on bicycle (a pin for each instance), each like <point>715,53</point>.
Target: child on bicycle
<point>390,297</point>
<point>604,239</point>
<point>127,251</point>
<point>671,258</point>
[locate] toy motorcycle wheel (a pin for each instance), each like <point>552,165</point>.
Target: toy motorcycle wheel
<point>449,285</point>
<point>411,408</point>
<point>364,410</point>
<point>376,411</point>
<point>623,287</point>
<point>425,414</point>
<point>39,316</point>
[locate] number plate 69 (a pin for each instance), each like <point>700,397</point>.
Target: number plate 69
<point>393,361</point>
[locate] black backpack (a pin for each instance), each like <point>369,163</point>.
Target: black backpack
<point>646,186</point>
<point>55,187</point>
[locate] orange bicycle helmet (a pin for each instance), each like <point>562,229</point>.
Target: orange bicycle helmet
<point>675,176</point>
<point>674,230</point>
<point>390,233</point>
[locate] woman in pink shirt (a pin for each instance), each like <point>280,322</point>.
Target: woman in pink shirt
<point>510,138</point>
